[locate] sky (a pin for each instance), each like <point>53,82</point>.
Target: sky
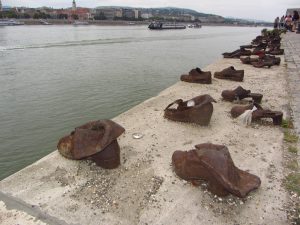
<point>266,10</point>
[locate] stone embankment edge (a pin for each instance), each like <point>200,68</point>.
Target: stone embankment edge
<point>8,199</point>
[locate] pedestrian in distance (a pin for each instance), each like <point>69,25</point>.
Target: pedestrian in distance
<point>276,22</point>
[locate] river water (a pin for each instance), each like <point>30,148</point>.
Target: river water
<point>54,78</point>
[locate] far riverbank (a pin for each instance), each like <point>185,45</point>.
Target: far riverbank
<point>122,23</point>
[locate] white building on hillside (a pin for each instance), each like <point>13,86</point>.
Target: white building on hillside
<point>74,5</point>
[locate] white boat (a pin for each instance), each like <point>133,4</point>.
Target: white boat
<point>6,22</point>
<point>80,23</point>
<point>165,26</point>
<point>44,22</point>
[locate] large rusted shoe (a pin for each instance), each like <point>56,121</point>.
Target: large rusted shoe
<point>262,56</point>
<point>275,52</point>
<point>236,53</point>
<point>213,164</point>
<point>263,62</point>
<point>196,110</point>
<point>258,51</point>
<point>197,76</point>
<point>96,140</point>
<point>240,93</point>
<point>259,113</point>
<point>230,73</point>
<point>246,46</point>
<point>275,60</point>
<point>248,60</point>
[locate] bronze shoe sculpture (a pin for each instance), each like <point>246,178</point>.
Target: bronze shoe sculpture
<point>275,51</point>
<point>262,62</point>
<point>276,60</point>
<point>257,114</point>
<point>246,46</point>
<point>196,110</point>
<point>240,93</point>
<point>248,60</point>
<point>213,164</point>
<point>96,140</point>
<point>237,53</point>
<point>197,76</point>
<point>230,73</point>
<point>262,57</point>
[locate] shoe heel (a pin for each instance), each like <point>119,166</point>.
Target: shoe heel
<point>257,99</point>
<point>277,120</point>
<point>109,158</point>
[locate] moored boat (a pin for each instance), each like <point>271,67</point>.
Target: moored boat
<point>44,22</point>
<point>79,23</point>
<point>6,22</point>
<point>196,25</point>
<point>164,26</point>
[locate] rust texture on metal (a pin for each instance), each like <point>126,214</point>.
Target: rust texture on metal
<point>196,110</point>
<point>197,76</point>
<point>240,93</point>
<point>213,164</point>
<point>230,73</point>
<point>260,113</point>
<point>89,139</point>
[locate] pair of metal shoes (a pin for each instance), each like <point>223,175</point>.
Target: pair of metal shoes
<point>253,110</point>
<point>204,77</point>
<point>237,53</point>
<point>262,61</point>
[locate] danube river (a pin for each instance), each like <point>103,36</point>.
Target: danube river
<point>54,78</point>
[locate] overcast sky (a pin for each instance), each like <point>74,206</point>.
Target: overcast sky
<point>249,9</point>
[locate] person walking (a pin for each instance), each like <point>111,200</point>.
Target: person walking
<point>276,22</point>
<point>295,20</point>
<point>281,25</point>
<point>288,23</point>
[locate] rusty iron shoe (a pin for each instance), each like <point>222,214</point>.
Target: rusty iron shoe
<point>275,52</point>
<point>230,73</point>
<point>213,164</point>
<point>197,76</point>
<point>196,110</point>
<point>262,62</point>
<point>258,114</point>
<point>275,60</point>
<point>240,93</point>
<point>96,140</point>
<point>246,46</point>
<point>248,60</point>
<point>237,53</point>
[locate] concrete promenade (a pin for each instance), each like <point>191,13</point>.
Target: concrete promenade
<point>144,189</point>
<point>291,44</point>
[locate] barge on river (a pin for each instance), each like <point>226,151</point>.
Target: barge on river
<point>5,22</point>
<point>165,26</point>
